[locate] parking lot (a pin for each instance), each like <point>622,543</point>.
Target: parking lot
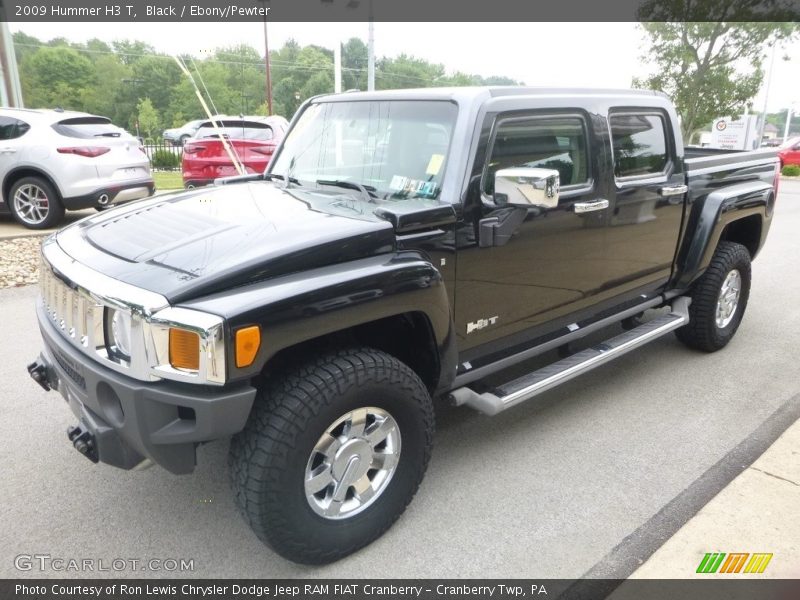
<point>547,489</point>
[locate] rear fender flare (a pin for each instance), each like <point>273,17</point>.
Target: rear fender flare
<point>715,212</point>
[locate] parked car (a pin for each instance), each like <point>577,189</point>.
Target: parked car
<point>403,247</point>
<point>789,152</point>
<point>55,160</point>
<point>179,135</point>
<point>251,139</point>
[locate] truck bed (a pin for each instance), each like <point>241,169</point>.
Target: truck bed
<point>697,158</point>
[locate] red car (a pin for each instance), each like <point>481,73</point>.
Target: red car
<point>789,152</point>
<point>252,140</point>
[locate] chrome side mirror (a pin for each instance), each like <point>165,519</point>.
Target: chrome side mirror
<point>526,187</point>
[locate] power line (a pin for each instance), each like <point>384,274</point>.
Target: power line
<point>258,64</point>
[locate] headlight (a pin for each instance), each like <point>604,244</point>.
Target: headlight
<point>118,333</point>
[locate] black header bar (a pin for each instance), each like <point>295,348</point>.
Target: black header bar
<point>398,10</point>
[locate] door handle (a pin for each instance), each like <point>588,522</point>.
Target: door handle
<point>584,207</point>
<point>7,150</point>
<point>673,190</point>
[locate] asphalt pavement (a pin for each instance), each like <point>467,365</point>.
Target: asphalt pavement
<point>554,488</point>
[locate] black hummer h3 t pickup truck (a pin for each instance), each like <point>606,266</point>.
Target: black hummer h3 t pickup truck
<point>403,247</point>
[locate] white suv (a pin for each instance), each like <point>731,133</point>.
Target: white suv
<point>54,160</point>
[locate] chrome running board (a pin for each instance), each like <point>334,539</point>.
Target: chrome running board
<point>533,384</point>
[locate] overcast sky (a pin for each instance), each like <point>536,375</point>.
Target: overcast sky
<point>560,54</point>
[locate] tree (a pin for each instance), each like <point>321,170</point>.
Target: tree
<point>709,69</point>
<point>148,118</point>
<point>56,76</point>
<point>354,64</point>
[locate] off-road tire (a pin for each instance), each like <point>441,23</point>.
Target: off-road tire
<point>702,331</point>
<point>268,458</point>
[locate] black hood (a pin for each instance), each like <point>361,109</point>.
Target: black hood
<point>189,244</point>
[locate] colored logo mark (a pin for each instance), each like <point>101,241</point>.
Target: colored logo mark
<point>735,562</point>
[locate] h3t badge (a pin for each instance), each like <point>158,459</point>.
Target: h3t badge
<point>481,324</point>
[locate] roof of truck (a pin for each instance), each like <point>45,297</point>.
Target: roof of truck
<point>475,93</point>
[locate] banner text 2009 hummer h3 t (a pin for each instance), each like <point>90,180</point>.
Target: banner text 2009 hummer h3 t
<point>402,247</point>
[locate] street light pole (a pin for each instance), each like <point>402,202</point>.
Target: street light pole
<point>788,122</point>
<point>371,52</point>
<point>766,95</point>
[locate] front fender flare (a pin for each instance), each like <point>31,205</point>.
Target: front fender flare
<point>304,306</point>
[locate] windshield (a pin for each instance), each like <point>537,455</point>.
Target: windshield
<point>395,148</point>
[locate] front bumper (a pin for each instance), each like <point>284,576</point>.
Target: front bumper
<point>112,194</point>
<point>129,420</point>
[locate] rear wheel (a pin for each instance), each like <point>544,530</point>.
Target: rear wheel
<point>332,454</point>
<point>719,299</point>
<point>35,204</point>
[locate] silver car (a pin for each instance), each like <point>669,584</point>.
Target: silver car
<point>55,160</point>
<point>179,135</point>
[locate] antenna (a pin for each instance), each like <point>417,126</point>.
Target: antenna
<point>231,154</point>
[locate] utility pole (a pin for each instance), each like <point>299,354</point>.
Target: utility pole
<point>266,64</point>
<point>10,90</point>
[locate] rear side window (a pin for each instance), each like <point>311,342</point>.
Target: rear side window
<point>640,144</point>
<point>12,128</point>
<point>237,130</point>
<point>88,127</point>
<point>548,143</point>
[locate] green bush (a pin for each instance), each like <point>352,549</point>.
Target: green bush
<point>164,159</point>
<point>791,170</point>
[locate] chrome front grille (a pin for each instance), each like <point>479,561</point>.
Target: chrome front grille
<point>73,311</point>
<point>75,298</point>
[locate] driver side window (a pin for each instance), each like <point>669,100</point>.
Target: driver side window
<point>547,143</point>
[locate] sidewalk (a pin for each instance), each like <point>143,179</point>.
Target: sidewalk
<point>9,228</point>
<point>758,512</point>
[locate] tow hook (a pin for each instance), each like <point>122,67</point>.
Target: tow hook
<point>38,373</point>
<point>83,442</point>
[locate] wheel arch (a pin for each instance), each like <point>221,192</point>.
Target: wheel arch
<point>22,171</point>
<point>738,213</point>
<point>397,303</point>
<point>409,337</point>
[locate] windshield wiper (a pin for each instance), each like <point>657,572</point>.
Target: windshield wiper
<point>113,134</point>
<point>350,185</point>
<point>274,176</point>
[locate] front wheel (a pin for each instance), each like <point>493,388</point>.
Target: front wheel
<point>719,299</point>
<point>332,454</point>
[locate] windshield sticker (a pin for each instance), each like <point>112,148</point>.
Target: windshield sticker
<point>435,164</point>
<point>428,189</point>
<point>398,183</point>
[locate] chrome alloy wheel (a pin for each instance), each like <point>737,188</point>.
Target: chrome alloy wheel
<point>31,204</point>
<point>352,463</point>
<point>728,299</point>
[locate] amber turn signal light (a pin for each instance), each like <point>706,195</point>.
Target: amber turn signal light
<point>248,341</point>
<point>184,349</point>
